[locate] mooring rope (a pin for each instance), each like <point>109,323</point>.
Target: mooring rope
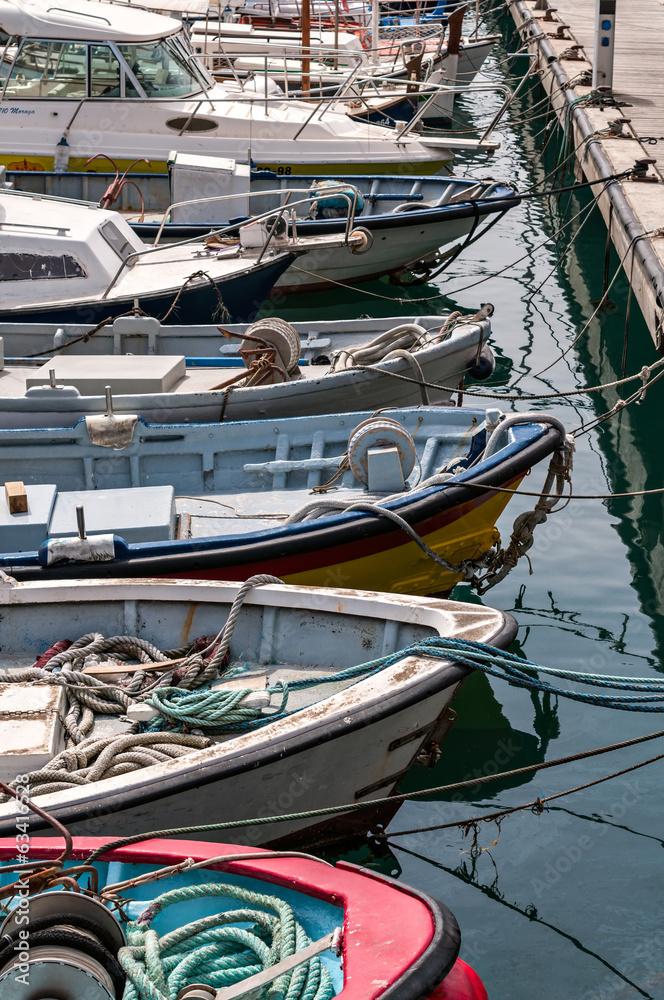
<point>355,806</point>
<point>217,712</point>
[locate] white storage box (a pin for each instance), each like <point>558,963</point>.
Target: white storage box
<point>125,373</point>
<point>142,514</point>
<point>32,730</point>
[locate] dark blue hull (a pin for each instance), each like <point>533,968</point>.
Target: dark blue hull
<point>242,297</point>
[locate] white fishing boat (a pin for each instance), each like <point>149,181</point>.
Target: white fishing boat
<point>294,667</point>
<point>98,77</point>
<point>405,220</point>
<point>239,48</point>
<point>193,373</point>
<point>409,68</point>
<point>67,261</point>
<point>332,54</point>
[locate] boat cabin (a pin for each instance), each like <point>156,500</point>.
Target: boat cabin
<point>95,50</point>
<point>74,246</point>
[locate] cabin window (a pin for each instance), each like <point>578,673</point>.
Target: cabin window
<point>105,72</point>
<point>160,69</point>
<point>117,240</point>
<point>33,267</point>
<point>44,68</point>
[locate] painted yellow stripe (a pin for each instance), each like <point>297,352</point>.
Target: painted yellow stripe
<point>78,165</point>
<point>405,569</point>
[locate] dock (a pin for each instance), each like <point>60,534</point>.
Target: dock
<point>611,132</point>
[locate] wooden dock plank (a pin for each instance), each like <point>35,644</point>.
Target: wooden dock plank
<point>638,73</point>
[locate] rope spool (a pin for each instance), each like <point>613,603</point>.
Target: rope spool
<point>280,335</point>
<point>380,432</point>
<point>67,951</point>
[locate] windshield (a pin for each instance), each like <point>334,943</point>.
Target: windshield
<point>160,69</point>
<point>45,68</point>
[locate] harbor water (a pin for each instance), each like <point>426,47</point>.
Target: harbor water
<point>566,903</point>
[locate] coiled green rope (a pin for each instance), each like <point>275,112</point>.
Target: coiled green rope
<point>216,951</point>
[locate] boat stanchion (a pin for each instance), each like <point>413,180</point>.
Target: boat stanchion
<point>51,378</point>
<point>109,401</point>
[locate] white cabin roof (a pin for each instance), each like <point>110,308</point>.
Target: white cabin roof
<point>199,7</point>
<point>84,20</point>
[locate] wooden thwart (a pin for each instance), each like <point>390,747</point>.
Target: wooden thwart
<point>101,669</point>
<point>16,497</point>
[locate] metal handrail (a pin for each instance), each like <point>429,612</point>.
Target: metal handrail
<point>471,88</point>
<point>340,188</point>
<point>319,50</point>
<point>253,219</point>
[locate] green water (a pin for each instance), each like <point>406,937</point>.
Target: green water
<point>567,904</point>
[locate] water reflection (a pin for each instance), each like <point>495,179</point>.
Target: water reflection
<point>482,741</point>
<point>468,872</point>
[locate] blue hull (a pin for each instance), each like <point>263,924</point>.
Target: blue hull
<point>242,297</point>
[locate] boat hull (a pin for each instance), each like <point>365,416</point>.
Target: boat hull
<point>242,296</point>
<point>340,392</point>
<point>273,780</point>
<point>457,521</point>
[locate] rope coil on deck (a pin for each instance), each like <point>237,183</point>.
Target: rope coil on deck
<point>211,950</point>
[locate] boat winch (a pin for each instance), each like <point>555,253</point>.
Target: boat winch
<point>382,454</point>
<point>60,946</point>
<point>256,234</point>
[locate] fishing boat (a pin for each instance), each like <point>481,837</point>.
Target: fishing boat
<point>118,80</point>
<point>90,266</point>
<point>206,703</point>
<point>406,220</point>
<point>412,508</point>
<point>338,930</point>
<point>239,372</point>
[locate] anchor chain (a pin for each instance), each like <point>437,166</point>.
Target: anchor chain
<point>498,562</point>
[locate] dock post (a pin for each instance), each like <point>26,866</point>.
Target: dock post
<point>605,19</point>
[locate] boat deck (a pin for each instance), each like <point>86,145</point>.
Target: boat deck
<point>563,39</point>
<point>198,379</point>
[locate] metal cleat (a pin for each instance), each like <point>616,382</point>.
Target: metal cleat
<point>640,171</point>
<point>574,52</point>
